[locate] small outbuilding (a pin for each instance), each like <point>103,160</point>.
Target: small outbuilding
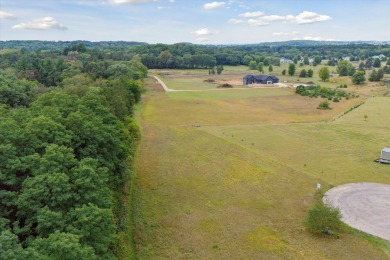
<point>260,79</point>
<point>385,156</point>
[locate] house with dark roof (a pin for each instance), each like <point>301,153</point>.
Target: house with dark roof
<point>260,79</point>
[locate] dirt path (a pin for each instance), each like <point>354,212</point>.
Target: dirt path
<point>364,206</point>
<point>165,87</point>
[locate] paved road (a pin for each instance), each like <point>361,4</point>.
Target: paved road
<point>364,206</point>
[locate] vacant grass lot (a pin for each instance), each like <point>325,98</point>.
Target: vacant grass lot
<point>239,186</point>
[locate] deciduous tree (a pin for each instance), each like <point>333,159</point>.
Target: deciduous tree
<point>358,77</point>
<point>324,73</point>
<point>310,73</point>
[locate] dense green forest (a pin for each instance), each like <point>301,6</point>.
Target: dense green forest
<point>190,56</point>
<point>66,140</point>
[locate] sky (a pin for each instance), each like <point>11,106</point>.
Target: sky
<point>195,21</point>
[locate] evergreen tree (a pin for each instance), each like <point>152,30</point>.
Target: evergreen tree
<point>260,67</point>
<point>373,76</point>
<point>306,60</point>
<point>310,73</point>
<point>377,63</point>
<point>380,74</point>
<point>291,69</point>
<point>219,69</point>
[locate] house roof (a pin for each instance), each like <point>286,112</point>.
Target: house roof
<point>387,150</point>
<point>261,77</point>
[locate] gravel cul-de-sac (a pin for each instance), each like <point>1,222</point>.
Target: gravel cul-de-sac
<point>364,206</point>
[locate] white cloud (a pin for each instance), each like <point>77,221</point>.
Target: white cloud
<point>309,37</point>
<point>120,2</point>
<point>257,22</point>
<point>265,20</point>
<point>202,39</point>
<point>285,33</point>
<point>203,31</point>
<point>235,21</point>
<point>44,23</point>
<point>252,14</point>
<point>307,17</point>
<point>260,19</point>
<point>214,5</point>
<point>5,15</point>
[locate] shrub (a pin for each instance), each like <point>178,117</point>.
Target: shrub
<point>225,85</point>
<point>209,80</point>
<point>324,105</point>
<point>323,219</point>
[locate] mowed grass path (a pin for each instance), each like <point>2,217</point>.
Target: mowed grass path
<point>209,193</point>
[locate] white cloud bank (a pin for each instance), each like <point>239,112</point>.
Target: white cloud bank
<point>301,36</point>
<point>260,19</point>
<point>307,17</point>
<point>285,33</point>
<point>213,5</point>
<point>203,31</point>
<point>44,23</point>
<point>314,38</point>
<point>252,14</point>
<point>5,15</point>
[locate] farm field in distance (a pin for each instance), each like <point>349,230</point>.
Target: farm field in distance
<point>231,173</point>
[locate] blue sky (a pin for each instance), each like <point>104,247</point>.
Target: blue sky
<point>196,21</point>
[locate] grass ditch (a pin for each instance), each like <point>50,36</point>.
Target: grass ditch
<point>125,246</point>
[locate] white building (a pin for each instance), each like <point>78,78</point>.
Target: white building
<point>285,60</point>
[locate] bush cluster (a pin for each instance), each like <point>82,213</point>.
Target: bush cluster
<point>317,91</point>
<point>225,85</point>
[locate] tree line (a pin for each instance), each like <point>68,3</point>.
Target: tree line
<point>64,150</point>
<point>191,56</point>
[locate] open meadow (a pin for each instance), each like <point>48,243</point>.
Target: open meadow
<point>199,79</point>
<point>230,174</point>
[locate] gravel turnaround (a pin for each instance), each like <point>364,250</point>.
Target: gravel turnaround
<point>364,206</point>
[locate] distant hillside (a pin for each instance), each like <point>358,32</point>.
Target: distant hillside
<point>52,45</point>
<point>33,45</point>
<point>304,43</point>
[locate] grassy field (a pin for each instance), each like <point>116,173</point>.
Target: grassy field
<point>239,186</point>
<point>195,79</point>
